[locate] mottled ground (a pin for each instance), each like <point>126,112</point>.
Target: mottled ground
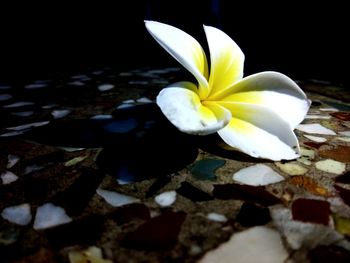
<point>74,189</point>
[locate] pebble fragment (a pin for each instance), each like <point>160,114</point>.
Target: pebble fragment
<point>116,199</point>
<point>19,214</point>
<point>166,198</point>
<point>258,242</point>
<point>315,128</point>
<point>331,166</point>
<point>49,215</point>
<point>259,174</point>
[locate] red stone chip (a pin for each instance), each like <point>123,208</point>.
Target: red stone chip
<point>311,211</point>
<point>341,115</point>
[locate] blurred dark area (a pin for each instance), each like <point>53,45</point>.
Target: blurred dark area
<point>304,41</point>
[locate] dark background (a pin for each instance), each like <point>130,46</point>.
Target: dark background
<point>301,40</point>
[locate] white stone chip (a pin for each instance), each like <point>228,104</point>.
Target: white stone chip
<point>35,86</point>
<point>257,244</point>
<point>8,177</point>
<point>144,100</point>
<point>19,104</point>
<point>12,159</point>
<point>48,106</point>
<point>303,235</point>
<point>102,117</point>
<point>123,106</point>
<point>343,139</point>
<point>315,128</point>
<point>345,133</point>
<point>76,83</point>
<point>123,182</point>
<point>28,126</point>
<point>129,101</point>
<point>166,198</point>
<point>105,87</point>
<point>315,138</point>
<point>315,117</point>
<point>23,113</point>
<point>80,77</point>
<point>331,166</point>
<point>116,199</point>
<point>57,114</point>
<point>49,215</point>
<point>32,168</point>
<point>19,214</point>
<point>258,174</point>
<point>9,134</point>
<point>72,149</point>
<point>328,109</point>
<point>217,217</point>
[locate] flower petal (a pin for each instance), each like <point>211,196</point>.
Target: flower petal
<point>260,132</point>
<point>185,49</point>
<point>226,60</point>
<point>274,91</point>
<point>183,108</point>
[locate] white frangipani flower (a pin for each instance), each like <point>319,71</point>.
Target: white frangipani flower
<point>256,114</point>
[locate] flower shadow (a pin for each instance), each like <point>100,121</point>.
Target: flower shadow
<point>136,144</point>
<point>215,145</point>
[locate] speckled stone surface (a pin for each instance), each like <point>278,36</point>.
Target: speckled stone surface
<point>72,160</point>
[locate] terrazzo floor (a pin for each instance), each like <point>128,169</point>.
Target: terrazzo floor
<point>90,172</point>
